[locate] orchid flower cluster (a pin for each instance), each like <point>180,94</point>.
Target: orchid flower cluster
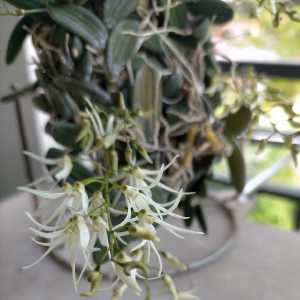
<point>114,214</point>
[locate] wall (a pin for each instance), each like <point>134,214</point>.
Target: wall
<point>12,167</point>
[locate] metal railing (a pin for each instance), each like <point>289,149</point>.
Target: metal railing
<point>288,70</point>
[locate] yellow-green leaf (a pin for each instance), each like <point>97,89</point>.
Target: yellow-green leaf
<point>237,168</point>
<point>147,98</point>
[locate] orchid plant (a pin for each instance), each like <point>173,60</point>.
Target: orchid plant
<point>130,90</point>
<point>121,206</point>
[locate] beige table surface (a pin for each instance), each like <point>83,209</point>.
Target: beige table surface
<point>263,265</point>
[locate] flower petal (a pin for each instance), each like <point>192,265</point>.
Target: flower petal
<point>66,170</point>
<point>43,194</point>
<point>47,161</point>
<point>42,226</point>
<point>84,233</point>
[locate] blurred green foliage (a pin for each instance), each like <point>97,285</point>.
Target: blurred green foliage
<point>278,38</point>
<point>271,210</point>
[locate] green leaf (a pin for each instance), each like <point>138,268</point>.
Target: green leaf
<point>153,45</point>
<point>155,62</point>
<point>98,95</point>
<point>85,65</point>
<point>79,173</point>
<point>185,44</point>
<point>237,123</point>
<point>172,85</point>
<point>237,168</point>
<point>217,10</point>
<point>147,98</point>
<point>201,30</point>
<point>117,10</point>
<point>179,16</point>
<point>64,133</point>
<point>100,257</point>
<point>30,4</point>
<point>42,103</point>
<point>61,102</point>
<point>17,39</point>
<point>77,47</point>
<point>81,22</point>
<point>122,47</point>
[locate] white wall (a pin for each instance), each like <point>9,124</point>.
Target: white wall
<point>12,167</point>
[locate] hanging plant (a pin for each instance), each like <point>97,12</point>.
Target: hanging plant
<point>125,86</point>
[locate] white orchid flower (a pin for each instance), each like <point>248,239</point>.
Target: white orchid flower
<point>148,212</point>
<point>139,199</point>
<point>138,195</point>
<point>110,133</point>
<point>100,227</point>
<point>62,166</point>
<point>128,277</point>
<point>154,177</point>
<point>99,221</point>
<point>74,235</point>
<point>74,199</point>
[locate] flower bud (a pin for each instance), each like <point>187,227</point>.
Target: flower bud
<point>144,217</point>
<point>174,261</point>
<point>143,233</point>
<point>170,285</point>
<point>142,151</point>
<point>137,254</point>
<point>117,293</point>
<point>95,279</point>
<point>129,154</point>
<point>128,267</point>
<point>114,160</point>
<point>99,143</point>
<point>85,130</point>
<point>121,102</point>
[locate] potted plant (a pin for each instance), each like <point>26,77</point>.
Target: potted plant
<point>130,90</point>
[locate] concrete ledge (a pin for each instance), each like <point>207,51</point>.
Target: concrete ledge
<point>264,265</point>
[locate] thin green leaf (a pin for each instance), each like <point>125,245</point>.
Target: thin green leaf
<point>30,4</point>
<point>237,167</point>
<point>81,22</point>
<point>117,10</point>
<point>147,98</point>
<point>237,123</point>
<point>80,87</point>
<point>179,16</point>
<point>122,47</point>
